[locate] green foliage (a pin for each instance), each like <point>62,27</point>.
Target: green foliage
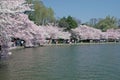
<point>63,23</point>
<point>50,15</point>
<point>67,23</point>
<point>41,14</point>
<point>72,23</point>
<point>29,1</point>
<point>118,23</point>
<point>107,23</point>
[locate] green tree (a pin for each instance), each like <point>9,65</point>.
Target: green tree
<point>72,23</point>
<point>68,23</point>
<point>29,1</point>
<point>50,16</point>
<point>41,14</point>
<point>107,23</point>
<point>38,7</point>
<point>63,23</point>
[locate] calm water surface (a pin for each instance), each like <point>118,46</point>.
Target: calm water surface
<point>83,62</point>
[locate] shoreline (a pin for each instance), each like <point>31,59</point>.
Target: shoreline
<point>15,48</point>
<point>47,45</point>
<point>81,44</point>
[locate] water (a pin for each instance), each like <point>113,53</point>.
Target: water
<point>83,62</point>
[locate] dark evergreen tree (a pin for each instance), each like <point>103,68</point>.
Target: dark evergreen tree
<point>68,23</point>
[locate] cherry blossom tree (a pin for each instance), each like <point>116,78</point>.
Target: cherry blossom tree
<point>55,32</point>
<point>13,6</point>
<point>16,24</point>
<point>84,32</point>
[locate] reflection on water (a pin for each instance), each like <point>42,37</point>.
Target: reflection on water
<point>84,62</point>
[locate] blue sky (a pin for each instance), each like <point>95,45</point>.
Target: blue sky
<point>84,9</point>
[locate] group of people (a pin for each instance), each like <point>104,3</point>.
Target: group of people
<point>17,42</point>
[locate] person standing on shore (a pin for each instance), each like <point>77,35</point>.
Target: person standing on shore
<point>0,51</point>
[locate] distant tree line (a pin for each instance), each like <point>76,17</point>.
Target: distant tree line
<point>42,15</point>
<point>105,23</point>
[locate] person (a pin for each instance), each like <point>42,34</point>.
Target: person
<point>0,48</point>
<point>0,51</point>
<point>22,43</point>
